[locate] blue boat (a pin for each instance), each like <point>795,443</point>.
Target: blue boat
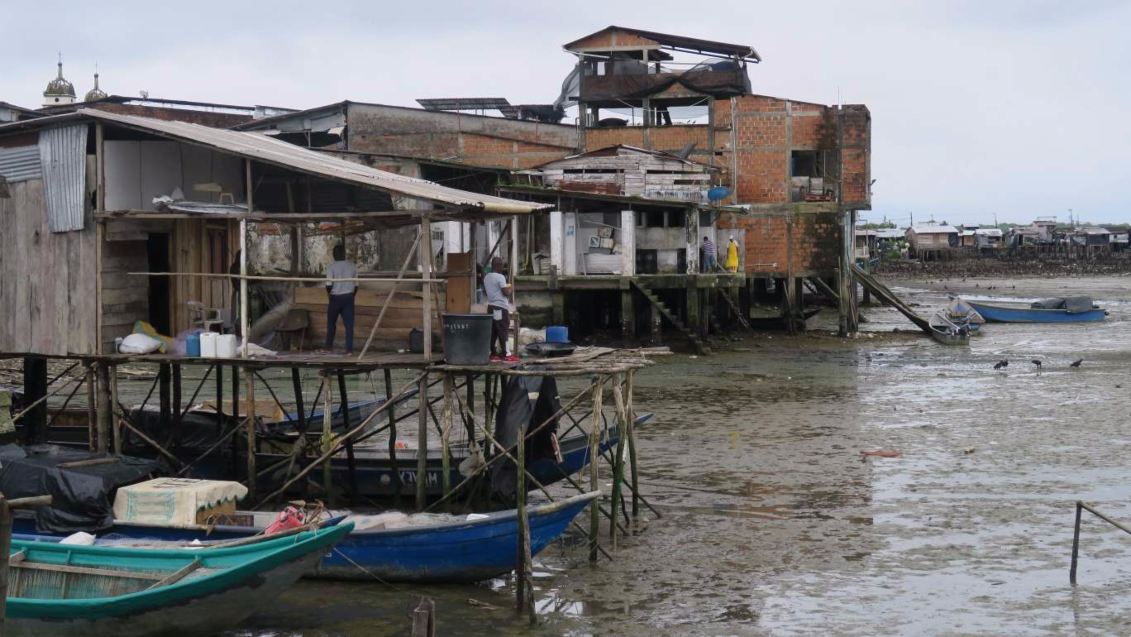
<point>375,477</point>
<point>464,551</point>
<point>1070,310</point>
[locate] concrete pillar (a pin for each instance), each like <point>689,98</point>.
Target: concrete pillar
<point>692,226</point>
<point>628,242</point>
<point>569,244</point>
<point>557,238</point>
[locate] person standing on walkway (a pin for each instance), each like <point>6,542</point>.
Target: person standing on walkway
<point>709,256</point>
<point>497,290</point>
<point>732,255</point>
<point>342,296</point>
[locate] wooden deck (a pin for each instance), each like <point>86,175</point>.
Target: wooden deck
<point>375,360</point>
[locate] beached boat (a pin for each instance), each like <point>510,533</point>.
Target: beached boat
<point>960,313</point>
<point>468,550</point>
<point>1059,310</point>
<point>948,332</point>
<point>56,589</point>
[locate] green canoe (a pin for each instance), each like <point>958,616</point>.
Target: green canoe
<point>56,589</point>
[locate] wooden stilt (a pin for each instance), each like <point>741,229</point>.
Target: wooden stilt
<point>219,400</point>
<point>91,411</point>
<point>422,438</point>
<point>630,433</point>
<point>351,463</point>
<point>618,459</point>
<point>115,423</point>
<point>445,435</point>
<point>251,446</point>
<point>163,398</point>
<point>235,418</point>
<point>105,415</point>
<point>327,437</point>
<point>594,437</point>
<point>397,485</point>
<point>524,587</point>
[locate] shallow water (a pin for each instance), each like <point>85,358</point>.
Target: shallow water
<point>774,524</point>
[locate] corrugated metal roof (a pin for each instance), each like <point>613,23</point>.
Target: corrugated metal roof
<point>262,148</point>
<point>62,151</point>
<point>20,164</point>
<point>933,228</point>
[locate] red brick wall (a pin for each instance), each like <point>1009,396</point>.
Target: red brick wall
<point>596,138</point>
<point>816,242</point>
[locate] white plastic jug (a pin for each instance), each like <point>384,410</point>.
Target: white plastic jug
<point>208,344</point>
<point>226,346</point>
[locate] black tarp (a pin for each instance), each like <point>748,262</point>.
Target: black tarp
<point>526,402</point>
<point>81,495</point>
<point>1074,304</point>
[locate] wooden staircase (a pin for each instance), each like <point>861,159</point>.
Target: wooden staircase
<point>700,347</point>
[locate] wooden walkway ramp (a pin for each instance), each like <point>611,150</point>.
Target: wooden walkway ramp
<point>884,294</point>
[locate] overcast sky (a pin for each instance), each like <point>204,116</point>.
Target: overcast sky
<point>1013,108</point>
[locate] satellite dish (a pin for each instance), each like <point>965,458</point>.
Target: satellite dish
<point>718,193</point>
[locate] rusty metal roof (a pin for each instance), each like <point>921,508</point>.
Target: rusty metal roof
<point>259,147</point>
<point>682,43</point>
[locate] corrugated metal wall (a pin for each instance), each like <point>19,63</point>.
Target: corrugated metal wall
<point>62,151</point>
<point>20,164</point>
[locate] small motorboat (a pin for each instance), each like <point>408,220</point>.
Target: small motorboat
<point>1073,309</point>
<point>960,313</point>
<point>947,332</point>
<point>477,548</point>
<point>64,589</point>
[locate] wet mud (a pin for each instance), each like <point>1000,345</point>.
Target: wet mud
<point>775,524</point>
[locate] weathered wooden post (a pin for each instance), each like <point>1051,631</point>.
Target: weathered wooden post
<point>105,415</point>
<point>1075,543</point>
<point>594,437</point>
<point>327,437</point>
<point>523,585</point>
<point>115,423</point>
<point>445,436</point>
<point>630,433</point>
<point>393,439</point>
<point>618,459</point>
<point>422,439</point>
<point>424,618</point>
<point>91,410</point>
<point>251,446</point>
<point>344,407</point>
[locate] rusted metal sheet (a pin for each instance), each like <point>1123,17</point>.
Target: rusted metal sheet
<point>264,149</point>
<point>20,164</point>
<point>62,153</point>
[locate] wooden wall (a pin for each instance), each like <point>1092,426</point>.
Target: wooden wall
<point>405,312</point>
<point>47,280</point>
<point>125,297</point>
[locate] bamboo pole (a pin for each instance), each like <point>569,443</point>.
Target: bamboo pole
<point>594,430</point>
<point>389,297</point>
<point>445,435</point>
<point>249,376</point>
<point>338,444</point>
<point>245,322</point>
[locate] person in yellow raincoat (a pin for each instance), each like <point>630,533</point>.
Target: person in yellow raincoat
<point>732,255</point>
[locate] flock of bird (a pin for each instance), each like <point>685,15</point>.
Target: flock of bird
<point>1002,364</point>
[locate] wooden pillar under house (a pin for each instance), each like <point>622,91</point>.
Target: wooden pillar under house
<point>327,436</point>
<point>594,456</point>
<point>251,443</point>
<point>422,440</point>
<point>115,422</point>
<point>397,485</point>
<point>164,399</point>
<point>91,410</point>
<point>105,416</point>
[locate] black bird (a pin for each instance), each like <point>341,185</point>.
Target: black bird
<point>1001,364</point>
<point>1076,363</point>
<point>1037,363</point>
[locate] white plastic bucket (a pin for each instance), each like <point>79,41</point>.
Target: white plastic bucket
<point>208,344</point>
<point>226,346</point>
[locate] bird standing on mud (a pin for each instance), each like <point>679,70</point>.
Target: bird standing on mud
<point>1001,364</point>
<point>1076,363</point>
<point>1038,364</point>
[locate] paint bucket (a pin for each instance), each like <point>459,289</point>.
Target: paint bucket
<point>467,339</point>
<point>192,345</point>
<point>226,346</point>
<point>208,344</point>
<point>557,334</point>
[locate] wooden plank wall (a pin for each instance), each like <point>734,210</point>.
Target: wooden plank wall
<point>125,297</point>
<point>405,312</point>
<point>47,280</point>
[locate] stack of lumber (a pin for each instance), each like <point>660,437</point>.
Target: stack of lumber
<point>406,311</point>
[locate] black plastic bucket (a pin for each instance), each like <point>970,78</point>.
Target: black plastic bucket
<point>467,339</point>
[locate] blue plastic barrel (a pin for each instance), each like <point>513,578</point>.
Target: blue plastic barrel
<point>192,344</point>
<point>557,334</point>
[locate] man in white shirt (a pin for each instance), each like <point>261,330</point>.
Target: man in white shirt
<point>342,295</point>
<point>497,290</point>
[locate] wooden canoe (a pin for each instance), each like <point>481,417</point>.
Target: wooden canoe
<point>61,590</point>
